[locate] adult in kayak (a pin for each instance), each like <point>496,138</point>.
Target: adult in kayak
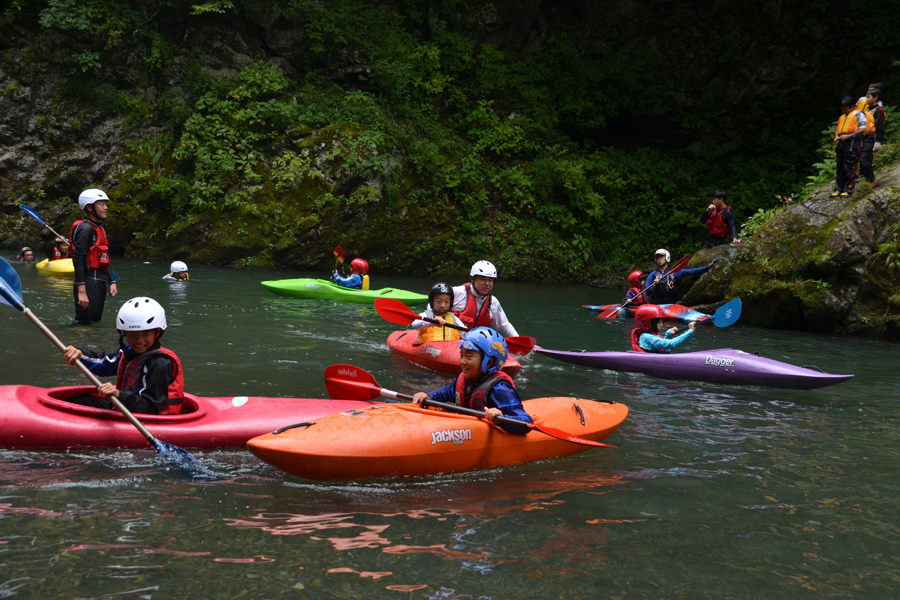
<point>178,271</point>
<point>474,304</point>
<point>647,337</point>
<point>26,254</point>
<point>90,258</point>
<point>440,298</point>
<point>358,280</point>
<point>638,281</point>
<point>482,385</point>
<point>664,285</point>
<point>58,249</point>
<point>149,378</point>
<point>719,220</point>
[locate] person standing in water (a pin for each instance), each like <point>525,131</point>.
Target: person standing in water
<point>90,257</point>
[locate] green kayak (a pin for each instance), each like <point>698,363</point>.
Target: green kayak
<point>320,289</point>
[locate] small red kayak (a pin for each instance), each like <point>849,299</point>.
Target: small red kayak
<point>442,357</point>
<point>34,417</point>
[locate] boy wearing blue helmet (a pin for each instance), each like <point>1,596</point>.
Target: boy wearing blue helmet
<point>482,385</point>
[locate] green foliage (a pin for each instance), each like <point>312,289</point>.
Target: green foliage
<point>890,250</point>
<point>87,60</point>
<point>215,6</point>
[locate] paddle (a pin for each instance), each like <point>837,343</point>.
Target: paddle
<point>34,215</point>
<point>725,315</point>
<point>338,259</point>
<point>173,456</point>
<point>353,383</point>
<point>612,313</point>
<point>394,311</point>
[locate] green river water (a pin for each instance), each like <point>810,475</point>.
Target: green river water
<point>712,491</point>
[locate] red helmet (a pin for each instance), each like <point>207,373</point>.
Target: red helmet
<point>635,278</point>
<point>358,266</point>
<point>645,315</point>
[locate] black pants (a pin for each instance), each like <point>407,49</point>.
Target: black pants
<point>712,242</point>
<point>96,286</point>
<point>865,158</point>
<point>89,400</point>
<point>847,156</point>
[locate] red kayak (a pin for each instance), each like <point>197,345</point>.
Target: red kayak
<point>442,357</point>
<point>34,417</point>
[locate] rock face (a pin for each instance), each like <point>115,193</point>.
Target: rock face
<point>815,266</point>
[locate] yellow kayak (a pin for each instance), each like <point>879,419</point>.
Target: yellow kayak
<point>61,268</point>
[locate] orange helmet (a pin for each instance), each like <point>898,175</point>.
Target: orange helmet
<point>645,315</point>
<point>635,278</point>
<point>358,266</point>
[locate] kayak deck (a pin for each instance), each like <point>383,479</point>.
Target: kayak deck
<point>399,440</point>
<point>59,268</point>
<point>676,312</point>
<point>442,357</point>
<point>724,365</point>
<point>321,289</point>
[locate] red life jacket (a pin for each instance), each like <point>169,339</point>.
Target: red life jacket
<point>98,255</point>
<point>716,225</point>
<point>636,341</point>
<point>131,372</point>
<point>470,315</point>
<point>57,255</point>
<point>478,394</point>
<point>637,300</point>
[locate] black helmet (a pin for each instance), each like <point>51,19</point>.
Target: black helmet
<point>439,288</point>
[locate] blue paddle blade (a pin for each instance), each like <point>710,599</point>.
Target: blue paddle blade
<point>115,277</point>
<point>33,214</point>
<point>728,313</point>
<point>10,286</point>
<point>184,461</point>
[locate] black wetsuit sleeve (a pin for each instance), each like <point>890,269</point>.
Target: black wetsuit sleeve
<point>153,393</point>
<point>728,217</point>
<point>82,240</point>
<point>705,216</point>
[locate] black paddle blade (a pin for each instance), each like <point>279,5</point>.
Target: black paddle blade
<point>184,462</point>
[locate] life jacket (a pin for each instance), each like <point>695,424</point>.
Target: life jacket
<point>478,394</point>
<point>847,123</point>
<point>57,255</point>
<point>715,225</point>
<point>636,300</point>
<point>365,284</point>
<point>665,292</point>
<point>869,111</point>
<point>470,315</point>
<point>187,276</point>
<point>98,255</point>
<point>131,373</point>
<point>438,333</point>
<point>636,341</point>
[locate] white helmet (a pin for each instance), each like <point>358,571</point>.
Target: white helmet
<point>178,267</point>
<point>483,268</point>
<point>141,314</point>
<point>665,253</point>
<point>90,196</point>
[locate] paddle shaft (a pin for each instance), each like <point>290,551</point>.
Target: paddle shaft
<point>675,269</point>
<point>87,373</point>
<point>454,408</point>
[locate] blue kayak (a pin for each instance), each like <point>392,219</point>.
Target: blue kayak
<point>676,312</point>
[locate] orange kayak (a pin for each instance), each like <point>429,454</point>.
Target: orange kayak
<point>442,357</point>
<point>398,440</point>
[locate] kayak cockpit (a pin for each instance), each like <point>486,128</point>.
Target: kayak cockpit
<point>57,399</point>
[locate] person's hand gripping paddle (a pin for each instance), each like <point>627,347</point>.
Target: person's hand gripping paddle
<point>339,260</point>
<point>172,456</point>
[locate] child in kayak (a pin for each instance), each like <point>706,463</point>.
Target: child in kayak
<point>439,300</point>
<point>358,280</point>
<point>482,385</point>
<point>149,378</point>
<point>178,272</point>
<point>58,249</point>
<point>647,337</point>
<point>474,304</point>
<point>664,285</point>
<point>638,281</point>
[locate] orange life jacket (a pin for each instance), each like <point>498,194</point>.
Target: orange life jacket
<point>98,255</point>
<point>869,111</point>
<point>470,315</point>
<point>715,225</point>
<point>636,341</point>
<point>847,123</point>
<point>131,372</point>
<point>478,394</point>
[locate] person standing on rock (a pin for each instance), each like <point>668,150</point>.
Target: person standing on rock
<point>719,221</point>
<point>90,257</point>
<point>873,135</point>
<point>847,136</point>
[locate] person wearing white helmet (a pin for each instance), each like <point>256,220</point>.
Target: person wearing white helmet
<point>90,257</point>
<point>149,378</point>
<point>663,284</point>
<point>178,272</point>
<point>474,304</point>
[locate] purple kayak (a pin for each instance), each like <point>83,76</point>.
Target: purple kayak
<point>725,365</point>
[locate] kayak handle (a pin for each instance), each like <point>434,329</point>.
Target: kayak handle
<point>283,429</point>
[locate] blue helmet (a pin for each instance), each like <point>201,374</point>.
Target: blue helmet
<point>490,344</point>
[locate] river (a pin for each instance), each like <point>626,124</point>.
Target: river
<point>711,492</point>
